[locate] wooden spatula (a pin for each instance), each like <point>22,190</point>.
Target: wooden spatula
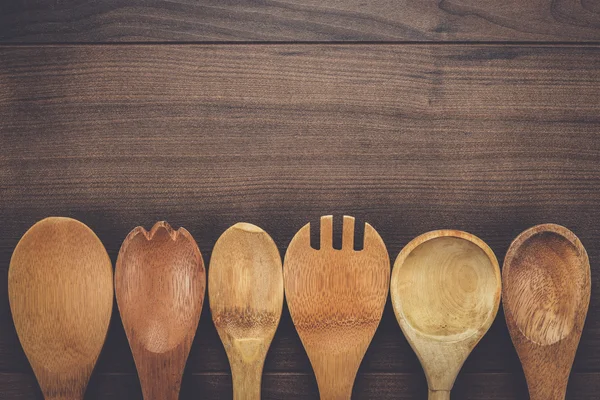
<point>159,283</point>
<point>61,298</point>
<point>336,299</point>
<point>445,291</point>
<point>546,277</point>
<point>245,291</point>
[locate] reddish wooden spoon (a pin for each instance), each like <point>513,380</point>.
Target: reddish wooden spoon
<point>159,283</point>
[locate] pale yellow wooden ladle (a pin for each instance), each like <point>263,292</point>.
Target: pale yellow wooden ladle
<point>245,291</point>
<point>445,292</point>
<point>61,297</point>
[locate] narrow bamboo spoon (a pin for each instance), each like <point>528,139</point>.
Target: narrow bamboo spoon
<point>445,292</point>
<point>245,291</point>
<point>336,299</point>
<point>159,283</point>
<point>546,278</point>
<point>61,298</point>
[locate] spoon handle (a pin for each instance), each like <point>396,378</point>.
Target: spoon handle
<point>439,394</point>
<point>160,385</point>
<point>246,378</point>
<point>548,391</point>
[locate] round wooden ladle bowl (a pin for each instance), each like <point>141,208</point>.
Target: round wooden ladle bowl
<point>445,291</point>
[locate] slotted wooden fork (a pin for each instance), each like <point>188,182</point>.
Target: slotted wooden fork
<point>336,299</point>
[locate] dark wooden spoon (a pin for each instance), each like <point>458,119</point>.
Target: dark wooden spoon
<point>546,290</point>
<point>159,283</point>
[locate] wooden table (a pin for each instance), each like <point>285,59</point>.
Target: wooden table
<point>412,115</point>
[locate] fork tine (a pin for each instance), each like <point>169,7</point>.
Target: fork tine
<point>348,233</point>
<point>326,231</point>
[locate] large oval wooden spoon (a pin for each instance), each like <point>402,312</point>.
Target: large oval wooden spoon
<point>546,277</point>
<point>61,298</point>
<point>159,283</point>
<point>445,291</point>
<point>336,300</point>
<point>245,291</point>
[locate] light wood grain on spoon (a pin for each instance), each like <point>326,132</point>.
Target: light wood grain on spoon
<point>336,300</point>
<point>159,283</point>
<point>546,277</point>
<point>245,290</point>
<point>61,298</point>
<point>445,292</point>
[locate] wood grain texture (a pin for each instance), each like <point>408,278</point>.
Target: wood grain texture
<point>245,290</point>
<point>445,290</point>
<point>485,139</point>
<point>547,292</point>
<point>299,20</point>
<point>61,296</point>
<point>300,386</point>
<point>336,298</point>
<point>159,284</point>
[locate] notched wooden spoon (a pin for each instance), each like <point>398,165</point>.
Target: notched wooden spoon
<point>61,298</point>
<point>336,300</point>
<point>546,277</point>
<point>159,284</point>
<point>445,291</point>
<point>245,291</point>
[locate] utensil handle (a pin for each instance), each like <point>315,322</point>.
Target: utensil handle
<point>336,392</point>
<point>161,385</point>
<point>439,394</point>
<point>246,380</point>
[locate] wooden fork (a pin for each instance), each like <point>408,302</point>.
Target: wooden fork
<point>336,299</point>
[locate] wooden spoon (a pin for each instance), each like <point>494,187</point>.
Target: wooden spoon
<point>159,283</point>
<point>546,277</point>
<point>245,288</point>
<point>336,300</point>
<point>445,291</point>
<point>61,298</point>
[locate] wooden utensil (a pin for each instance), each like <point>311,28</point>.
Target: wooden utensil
<point>336,299</point>
<point>445,292</point>
<point>61,297</point>
<point>245,289</point>
<point>546,277</point>
<point>159,283</point>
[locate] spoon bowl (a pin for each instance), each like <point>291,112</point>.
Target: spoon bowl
<point>159,284</point>
<point>445,292</point>
<point>245,289</point>
<point>546,277</point>
<point>61,298</point>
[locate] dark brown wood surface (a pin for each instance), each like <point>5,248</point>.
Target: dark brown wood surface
<point>490,139</point>
<point>298,20</point>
